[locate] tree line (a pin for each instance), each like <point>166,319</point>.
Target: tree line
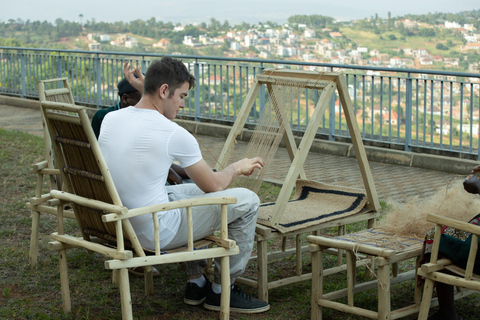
<point>43,33</point>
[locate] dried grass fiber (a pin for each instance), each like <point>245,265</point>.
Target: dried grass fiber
<point>409,218</point>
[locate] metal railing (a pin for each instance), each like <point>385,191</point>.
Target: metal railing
<point>409,109</point>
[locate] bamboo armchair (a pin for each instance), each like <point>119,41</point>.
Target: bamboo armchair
<point>432,271</point>
<point>58,90</point>
<point>104,221</point>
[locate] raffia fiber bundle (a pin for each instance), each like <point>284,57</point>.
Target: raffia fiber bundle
<point>409,218</point>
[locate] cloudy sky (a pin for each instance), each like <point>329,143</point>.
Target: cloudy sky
<point>235,11</point>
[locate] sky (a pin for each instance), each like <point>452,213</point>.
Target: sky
<point>235,11</point>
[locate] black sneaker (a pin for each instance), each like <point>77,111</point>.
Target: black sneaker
<point>239,302</point>
<point>194,295</point>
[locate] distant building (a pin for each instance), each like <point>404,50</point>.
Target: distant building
<point>452,25</point>
<point>468,38</point>
<point>251,40</point>
<point>451,62</point>
<point>235,46</point>
<point>131,43</point>
<point>190,41</point>
<point>396,62</point>
<point>264,55</point>
<point>104,37</point>
<point>407,23</point>
<point>309,33</point>
<point>469,27</point>
<point>335,35</point>
<point>391,117</point>
<point>163,43</point>
<point>470,47</point>
<point>94,46</point>
<point>425,60</point>
<point>308,57</point>
<point>374,61</point>
<point>125,40</point>
<point>286,51</point>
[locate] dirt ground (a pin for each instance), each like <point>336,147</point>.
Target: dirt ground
<point>22,119</point>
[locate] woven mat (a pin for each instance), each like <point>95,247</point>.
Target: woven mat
<point>314,203</point>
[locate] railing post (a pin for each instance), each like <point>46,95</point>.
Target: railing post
<point>478,147</point>
<point>196,71</point>
<point>24,74</point>
<point>408,113</point>
<point>331,119</point>
<point>59,66</point>
<point>99,80</point>
<point>144,65</point>
<point>262,96</point>
<point>331,116</point>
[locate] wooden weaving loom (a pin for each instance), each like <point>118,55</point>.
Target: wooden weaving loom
<point>284,91</point>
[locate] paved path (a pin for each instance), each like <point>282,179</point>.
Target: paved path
<point>398,183</point>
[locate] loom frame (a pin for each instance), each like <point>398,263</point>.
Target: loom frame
<point>329,82</point>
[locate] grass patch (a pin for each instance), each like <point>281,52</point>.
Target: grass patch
<point>34,293</point>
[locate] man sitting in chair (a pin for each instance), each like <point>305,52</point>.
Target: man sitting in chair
<point>139,145</point>
<point>129,96</point>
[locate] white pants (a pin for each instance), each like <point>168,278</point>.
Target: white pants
<point>242,218</point>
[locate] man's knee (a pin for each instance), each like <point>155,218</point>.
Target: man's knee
<point>247,200</point>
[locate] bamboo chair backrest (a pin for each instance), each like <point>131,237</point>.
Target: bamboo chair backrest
<point>50,90</point>
<point>55,90</point>
<point>83,168</point>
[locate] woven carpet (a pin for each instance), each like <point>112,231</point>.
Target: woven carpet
<point>314,203</point>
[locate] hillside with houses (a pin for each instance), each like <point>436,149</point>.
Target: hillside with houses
<point>433,41</point>
<point>407,44</point>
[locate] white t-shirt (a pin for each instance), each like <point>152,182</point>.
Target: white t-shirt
<point>139,146</point>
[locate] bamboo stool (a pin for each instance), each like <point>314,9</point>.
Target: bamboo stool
<point>264,234</point>
<point>385,251</point>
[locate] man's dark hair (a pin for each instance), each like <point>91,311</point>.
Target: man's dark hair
<point>170,71</point>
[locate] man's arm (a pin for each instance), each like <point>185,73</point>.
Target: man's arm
<point>209,181</point>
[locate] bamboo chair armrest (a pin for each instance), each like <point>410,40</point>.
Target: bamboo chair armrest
<point>169,206</point>
<point>55,202</point>
<point>226,243</point>
<point>44,198</point>
<point>39,165</point>
<point>54,172</point>
<point>188,204</point>
<point>433,267</point>
<point>42,168</point>
<point>460,225</point>
<point>68,197</point>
